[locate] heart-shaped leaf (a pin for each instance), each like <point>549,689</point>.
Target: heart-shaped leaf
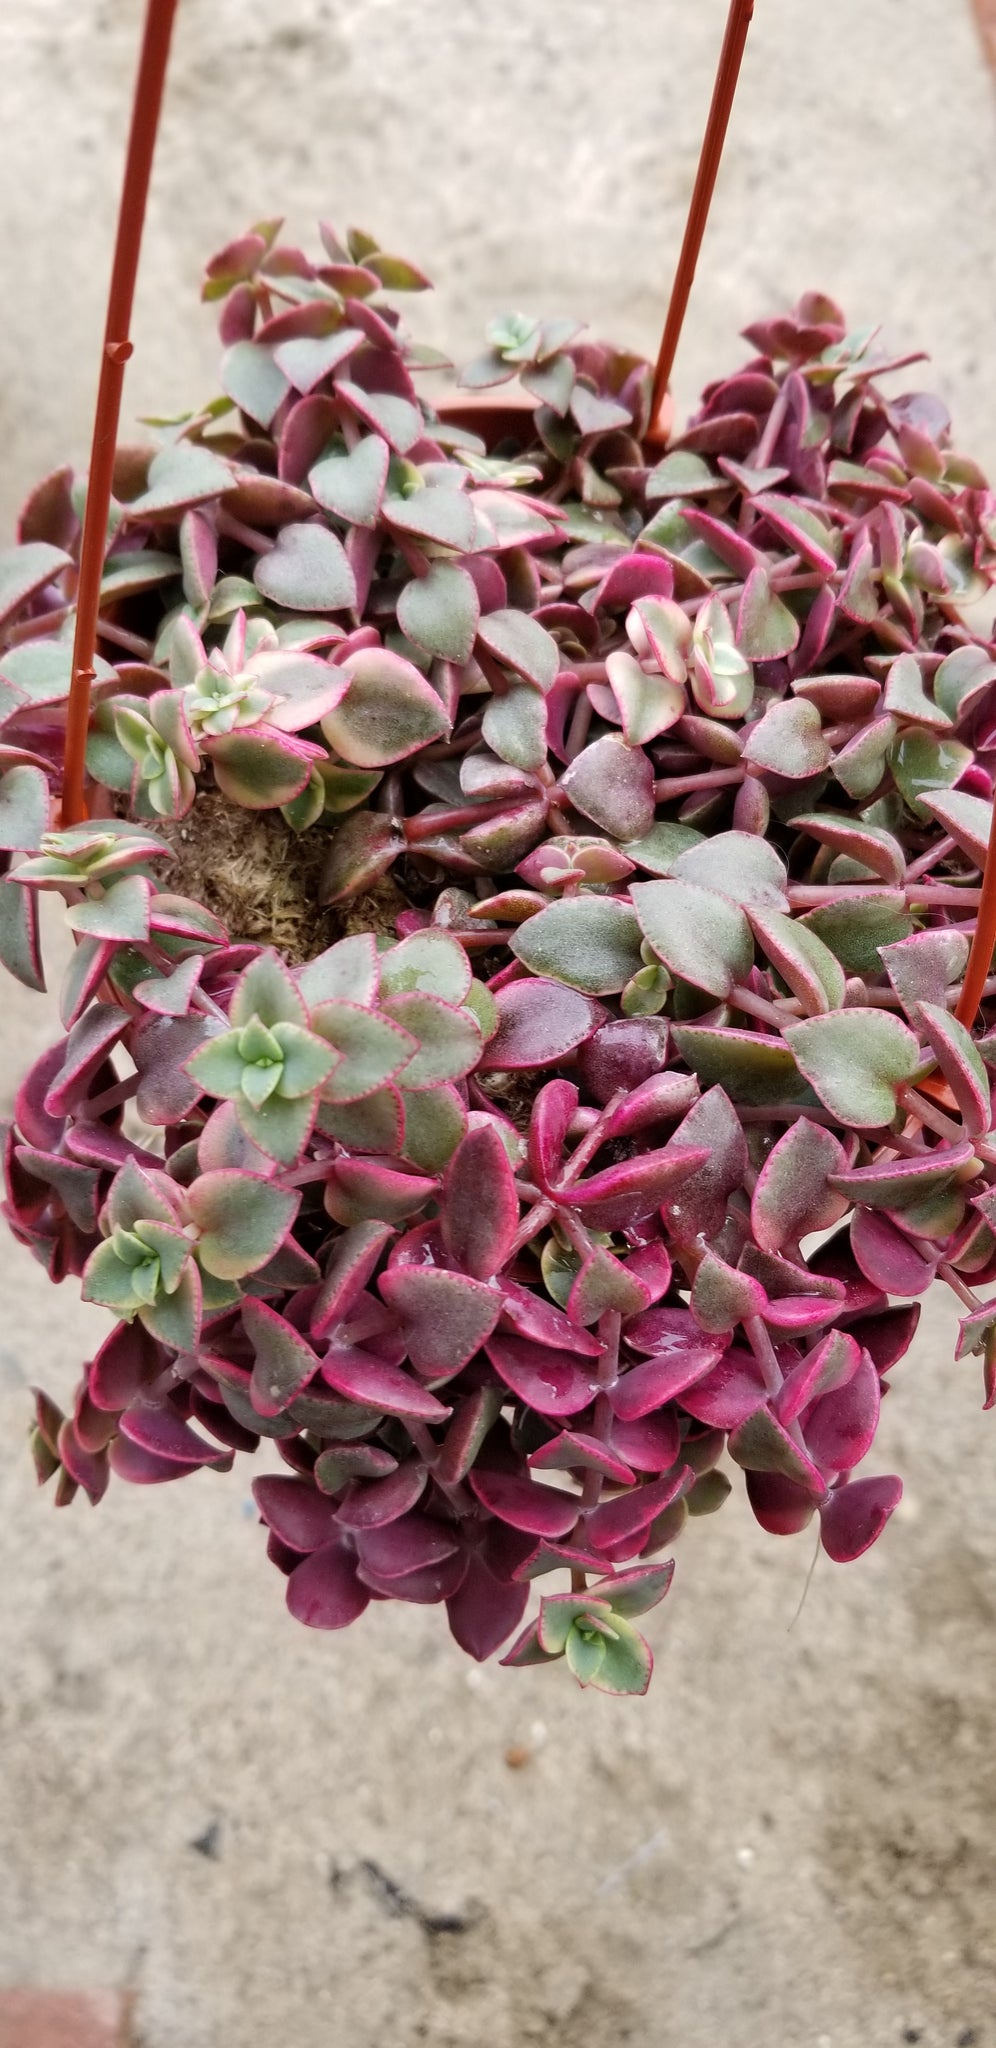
<point>388,712</point>
<point>478,1233</point>
<point>857,1061</point>
<point>700,935</point>
<point>352,485</point>
<point>793,1195</point>
<point>540,1022</point>
<point>307,570</point>
<point>613,785</point>
<point>439,612</point>
<point>251,377</point>
<point>591,943</point>
<point>806,965</point>
<point>855,1516</point>
<point>554,1383</point>
<point>961,1065</point>
<point>445,1316</point>
<point>788,741</point>
<point>648,704</point>
<point>305,359</point>
<point>521,643</point>
<point>739,865</point>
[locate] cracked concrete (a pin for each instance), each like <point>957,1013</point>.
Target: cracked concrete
<point>360,1839</point>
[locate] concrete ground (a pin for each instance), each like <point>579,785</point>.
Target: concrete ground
<point>360,1841</point>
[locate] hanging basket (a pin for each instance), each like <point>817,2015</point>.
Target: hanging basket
<point>526,866</point>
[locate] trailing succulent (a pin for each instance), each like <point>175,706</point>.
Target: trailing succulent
<point>639,1132</point>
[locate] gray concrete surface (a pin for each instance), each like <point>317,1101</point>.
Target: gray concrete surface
<point>792,1842</point>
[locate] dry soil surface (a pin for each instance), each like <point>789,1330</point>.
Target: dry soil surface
<point>361,1841</point>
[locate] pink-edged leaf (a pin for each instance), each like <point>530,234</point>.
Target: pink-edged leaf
<point>360,1189</point>
<point>140,1467</point>
<point>526,1649</point>
<point>681,1353</point>
<point>631,577</point>
<point>531,1316</point>
<point>886,1256</point>
<point>445,1316</point>
<point>573,1451</point>
<point>761,1445</point>
<point>242,1218</point>
<point>342,1462</point>
<point>730,1394</point>
<point>480,1208</point>
<point>602,1283</point>
<point>840,1427</point>
<point>414,1543</point>
<point>650,1443</point>
<point>623,1195</point>
<point>127,1360</point>
<point>897,1183</point>
<point>284,1362</point>
<point>354,1257</point>
<point>302,1517</point>
<point>484,1610</point>
<point>86,1468</point>
<point>159,1429</point>
<point>797,1313</point>
<point>613,785</point>
<point>552,1382</point>
<point>961,1065</point>
<point>825,1369</point>
<point>871,845</point>
<point>323,1591</point>
<point>615,1521</point>
<point>699,1206</point>
<point>364,1377</point>
<point>780,1506</point>
<point>721,1297</point>
<point>540,1022</point>
<point>525,1504</point>
<point>650,1266</point>
<point>372,1503</point>
<point>792,1195</point>
<point>855,1516</point>
<point>699,934</point>
<point>659,1099</point>
<point>85,1050</point>
<point>856,1060</point>
<point>549,1124</point>
<point>638,1590</point>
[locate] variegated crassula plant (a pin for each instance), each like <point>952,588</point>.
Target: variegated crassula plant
<point>609,1113</point>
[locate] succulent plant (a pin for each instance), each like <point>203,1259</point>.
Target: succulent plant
<point>635,1127</point>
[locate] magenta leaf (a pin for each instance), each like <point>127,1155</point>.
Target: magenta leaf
<point>840,1427</point>
<point>616,1521</point>
<point>539,1023</point>
<point>480,1207</point>
<point>854,1516</point>
<point>886,1256</point>
<point>302,1517</point>
<point>551,1382</point>
<point>323,1591</point>
<point>284,1362</point>
<point>524,1504</point>
<point>414,1543</point>
<point>364,1377</point>
<point>445,1316</point>
<point>484,1610</point>
<point>623,1195</point>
